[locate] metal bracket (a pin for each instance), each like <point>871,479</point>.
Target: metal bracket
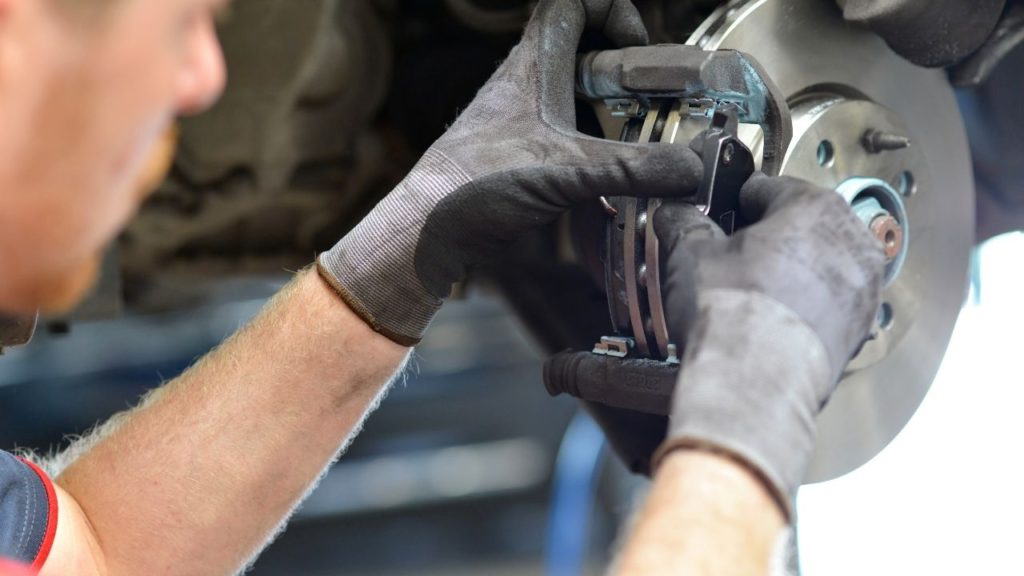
<point>678,71</point>
<point>728,164</point>
<point>625,107</point>
<point>614,346</point>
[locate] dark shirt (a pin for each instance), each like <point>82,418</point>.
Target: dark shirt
<point>28,512</point>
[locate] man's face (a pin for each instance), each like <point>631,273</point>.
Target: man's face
<point>83,100</point>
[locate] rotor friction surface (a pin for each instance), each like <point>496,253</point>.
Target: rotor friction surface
<point>807,48</point>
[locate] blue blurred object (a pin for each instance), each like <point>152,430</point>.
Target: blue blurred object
<point>577,470</point>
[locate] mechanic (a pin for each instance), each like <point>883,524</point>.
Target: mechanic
<point>203,473</point>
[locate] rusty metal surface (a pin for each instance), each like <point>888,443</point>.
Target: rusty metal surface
<point>262,179</point>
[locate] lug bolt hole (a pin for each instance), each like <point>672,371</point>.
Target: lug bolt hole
<point>908,185</point>
<point>885,316</point>
<point>826,154</point>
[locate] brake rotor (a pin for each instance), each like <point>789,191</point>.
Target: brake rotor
<point>842,82</point>
<point>883,133</point>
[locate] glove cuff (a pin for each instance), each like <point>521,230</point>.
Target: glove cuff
<point>782,499</point>
<point>752,382</point>
<point>363,312</point>
<point>374,267</point>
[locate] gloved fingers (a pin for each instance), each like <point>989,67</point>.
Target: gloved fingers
<point>930,33</point>
<point>763,196</point>
<point>681,227</point>
<point>679,291</point>
<point>798,204</point>
<point>697,143</point>
<point>552,39</point>
<point>618,20</point>
<point>609,168</point>
<point>758,195</point>
<point>678,222</point>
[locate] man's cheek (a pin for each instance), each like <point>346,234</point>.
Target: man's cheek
<point>157,163</point>
<point>63,290</point>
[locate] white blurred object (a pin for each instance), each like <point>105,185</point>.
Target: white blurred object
<point>946,496</point>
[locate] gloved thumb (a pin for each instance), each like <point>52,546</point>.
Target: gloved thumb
<point>680,222</point>
<point>619,21</point>
<point>608,168</point>
<point>932,33</point>
<point>564,21</point>
<point>763,196</point>
<point>552,40</point>
<point>679,227</point>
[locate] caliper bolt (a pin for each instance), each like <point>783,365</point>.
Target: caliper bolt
<point>875,141</point>
<point>889,232</point>
<point>728,154</point>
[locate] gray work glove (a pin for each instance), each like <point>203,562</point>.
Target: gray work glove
<point>511,162</point>
<point>932,33</point>
<point>769,318</point>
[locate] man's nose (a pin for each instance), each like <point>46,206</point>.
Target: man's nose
<point>204,75</point>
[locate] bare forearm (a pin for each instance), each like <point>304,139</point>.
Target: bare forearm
<point>705,515</point>
<point>198,479</point>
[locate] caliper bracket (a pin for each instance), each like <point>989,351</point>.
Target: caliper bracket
<point>679,71</point>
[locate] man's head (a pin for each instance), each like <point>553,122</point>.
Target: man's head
<point>87,87</point>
